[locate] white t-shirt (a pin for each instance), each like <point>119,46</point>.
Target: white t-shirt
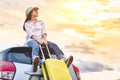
<point>37,29</point>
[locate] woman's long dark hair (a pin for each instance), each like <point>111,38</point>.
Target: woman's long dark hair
<point>28,18</point>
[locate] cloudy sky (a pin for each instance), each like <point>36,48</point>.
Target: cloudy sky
<point>87,29</point>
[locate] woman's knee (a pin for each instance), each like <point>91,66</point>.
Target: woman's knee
<point>33,43</point>
<point>52,44</point>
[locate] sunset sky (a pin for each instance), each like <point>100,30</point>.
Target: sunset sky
<point>87,29</point>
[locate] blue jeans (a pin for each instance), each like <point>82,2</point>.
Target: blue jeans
<point>52,46</point>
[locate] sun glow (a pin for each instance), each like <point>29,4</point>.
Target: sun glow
<point>72,32</point>
<point>87,12</point>
<point>99,29</point>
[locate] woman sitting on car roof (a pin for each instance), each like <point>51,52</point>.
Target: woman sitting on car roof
<point>36,35</point>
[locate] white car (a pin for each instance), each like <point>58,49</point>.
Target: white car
<point>16,64</point>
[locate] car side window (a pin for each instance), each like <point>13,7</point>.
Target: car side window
<point>19,55</point>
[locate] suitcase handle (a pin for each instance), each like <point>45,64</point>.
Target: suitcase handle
<point>48,51</point>
<point>43,53</point>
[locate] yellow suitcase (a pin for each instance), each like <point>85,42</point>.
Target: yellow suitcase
<point>54,69</point>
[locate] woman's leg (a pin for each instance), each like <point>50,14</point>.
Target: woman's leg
<point>55,49</point>
<point>59,53</point>
<point>35,50</point>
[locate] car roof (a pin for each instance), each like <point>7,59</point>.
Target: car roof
<point>18,48</point>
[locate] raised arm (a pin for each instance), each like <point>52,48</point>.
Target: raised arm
<point>44,34</point>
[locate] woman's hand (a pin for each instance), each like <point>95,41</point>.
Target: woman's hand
<point>40,41</point>
<point>45,42</point>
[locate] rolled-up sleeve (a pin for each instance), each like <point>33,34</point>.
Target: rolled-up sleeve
<point>29,30</point>
<point>43,30</point>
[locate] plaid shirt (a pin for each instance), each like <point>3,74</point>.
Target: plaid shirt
<point>37,29</point>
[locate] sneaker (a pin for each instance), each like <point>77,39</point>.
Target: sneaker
<point>35,63</point>
<point>69,61</point>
